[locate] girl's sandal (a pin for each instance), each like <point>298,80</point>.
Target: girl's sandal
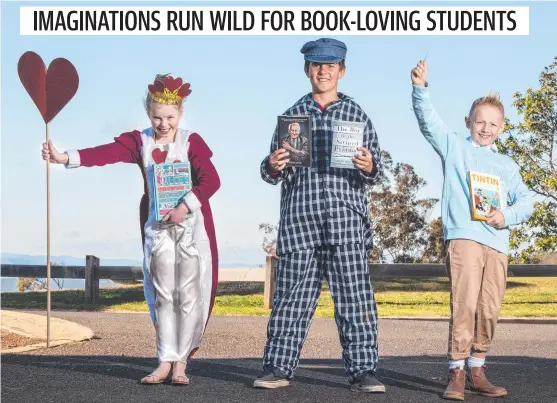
<point>153,379</point>
<point>180,380</point>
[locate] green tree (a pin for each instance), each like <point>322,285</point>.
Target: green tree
<point>532,144</point>
<point>435,250</point>
<point>398,215</point>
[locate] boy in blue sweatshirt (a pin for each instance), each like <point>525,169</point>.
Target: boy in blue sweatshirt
<point>478,249</point>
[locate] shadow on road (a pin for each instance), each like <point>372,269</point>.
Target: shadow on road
<point>34,378</point>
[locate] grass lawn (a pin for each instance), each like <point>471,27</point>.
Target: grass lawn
<point>525,296</point>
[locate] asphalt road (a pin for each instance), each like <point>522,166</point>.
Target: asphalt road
<point>412,364</point>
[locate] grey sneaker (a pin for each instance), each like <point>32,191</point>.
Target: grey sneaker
<point>367,383</point>
<point>271,378</point>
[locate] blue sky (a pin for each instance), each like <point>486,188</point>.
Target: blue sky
<point>240,84</point>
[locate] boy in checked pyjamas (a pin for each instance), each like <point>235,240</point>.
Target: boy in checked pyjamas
<point>324,232</point>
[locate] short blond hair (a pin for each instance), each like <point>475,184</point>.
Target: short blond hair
<point>492,99</point>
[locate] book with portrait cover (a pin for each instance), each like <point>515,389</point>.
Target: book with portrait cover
<point>171,183</point>
<point>485,194</point>
<point>294,135</point>
<point>347,137</point>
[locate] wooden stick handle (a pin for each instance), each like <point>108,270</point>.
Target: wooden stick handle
<point>47,246</point>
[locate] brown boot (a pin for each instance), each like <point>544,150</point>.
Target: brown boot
<point>479,384</point>
<point>455,388</point>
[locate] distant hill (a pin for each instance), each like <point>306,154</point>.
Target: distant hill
<point>13,258</point>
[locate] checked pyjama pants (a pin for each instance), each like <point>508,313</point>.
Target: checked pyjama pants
<point>298,287</point>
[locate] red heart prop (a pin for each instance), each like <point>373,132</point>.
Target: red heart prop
<point>50,89</point>
<point>62,82</point>
<point>159,156</point>
<point>184,90</point>
<point>32,74</point>
<point>177,161</point>
<point>158,86</point>
<point>172,83</point>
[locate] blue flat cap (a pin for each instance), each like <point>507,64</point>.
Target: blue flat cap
<point>324,50</point>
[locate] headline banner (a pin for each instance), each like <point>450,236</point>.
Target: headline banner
<point>295,20</point>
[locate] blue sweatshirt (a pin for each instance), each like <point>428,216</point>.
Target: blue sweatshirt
<point>459,156</point>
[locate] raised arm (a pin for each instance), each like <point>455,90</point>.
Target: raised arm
<point>207,178</point>
<point>432,127</point>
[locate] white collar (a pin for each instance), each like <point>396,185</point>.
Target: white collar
<point>492,147</point>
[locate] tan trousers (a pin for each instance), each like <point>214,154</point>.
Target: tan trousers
<point>478,278</point>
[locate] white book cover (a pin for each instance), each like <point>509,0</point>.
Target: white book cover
<point>347,137</point>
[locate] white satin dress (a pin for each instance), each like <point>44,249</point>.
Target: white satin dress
<point>177,267</point>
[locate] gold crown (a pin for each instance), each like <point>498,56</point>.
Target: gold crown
<point>167,97</point>
<point>170,91</point>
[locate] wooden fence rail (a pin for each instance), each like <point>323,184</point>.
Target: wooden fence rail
<point>92,272</point>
